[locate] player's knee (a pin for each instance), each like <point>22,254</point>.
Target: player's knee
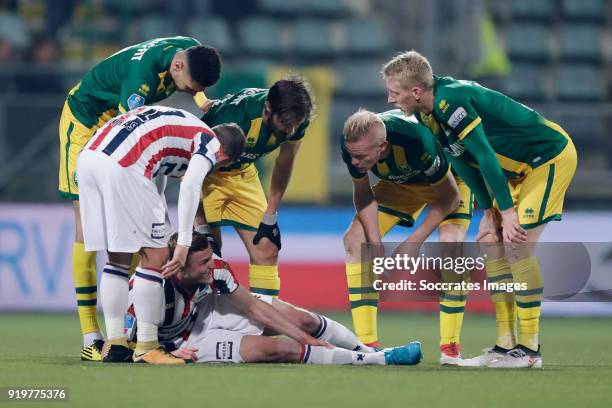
<point>154,257</point>
<point>287,352</point>
<point>309,322</point>
<point>264,253</point>
<point>352,241</point>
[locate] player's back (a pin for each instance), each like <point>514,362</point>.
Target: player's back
<point>153,139</point>
<point>100,90</point>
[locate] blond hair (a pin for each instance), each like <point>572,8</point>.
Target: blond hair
<point>359,124</point>
<point>411,68</point>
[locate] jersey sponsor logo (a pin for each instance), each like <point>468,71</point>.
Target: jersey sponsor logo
<point>140,52</point>
<point>433,168</point>
<point>158,230</point>
<point>225,350</point>
<point>135,101</point>
<point>458,115</point>
<point>443,105</point>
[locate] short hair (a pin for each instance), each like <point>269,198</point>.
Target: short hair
<point>199,242</point>
<point>290,98</point>
<point>204,64</point>
<point>359,124</point>
<point>232,139</point>
<point>410,67</point>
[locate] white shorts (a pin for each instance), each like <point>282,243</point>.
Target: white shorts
<point>121,210</point>
<point>219,329</point>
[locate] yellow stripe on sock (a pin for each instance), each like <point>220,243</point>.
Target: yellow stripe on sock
<point>528,301</point>
<point>363,300</point>
<point>498,270</point>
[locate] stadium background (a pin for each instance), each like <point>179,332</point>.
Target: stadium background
<point>554,55</point>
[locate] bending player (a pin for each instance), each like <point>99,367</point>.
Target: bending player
<point>527,161</point>
<point>272,119</point>
<point>414,174</point>
<point>207,316</point>
<point>139,75</point>
<point>123,212</point>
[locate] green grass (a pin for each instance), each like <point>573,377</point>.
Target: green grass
<point>43,350</point>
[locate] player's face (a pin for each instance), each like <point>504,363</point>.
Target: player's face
<point>283,128</point>
<point>199,267</point>
<point>400,96</point>
<point>183,82</point>
<point>367,150</point>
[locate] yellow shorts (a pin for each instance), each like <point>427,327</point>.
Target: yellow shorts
<point>403,203</point>
<point>538,197</point>
<point>73,135</point>
<point>234,198</point>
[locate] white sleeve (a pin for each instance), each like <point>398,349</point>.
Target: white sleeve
<point>189,196</point>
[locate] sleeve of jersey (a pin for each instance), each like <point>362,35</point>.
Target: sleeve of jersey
<point>135,92</point>
<point>347,159</point>
<point>189,196</point>
<point>460,116</point>
<point>474,180</point>
<point>482,151</point>
<point>224,280</point>
<point>205,144</point>
<point>432,160</point>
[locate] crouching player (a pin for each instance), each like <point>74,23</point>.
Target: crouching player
<point>207,316</point>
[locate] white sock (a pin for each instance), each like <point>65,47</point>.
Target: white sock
<point>338,335</point>
<point>114,291</point>
<point>324,355</point>
<point>89,338</point>
<point>148,303</point>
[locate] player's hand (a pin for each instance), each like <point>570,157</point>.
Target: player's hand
<point>206,105</point>
<point>268,228</point>
<point>186,353</point>
<point>177,263</point>
<point>511,228</point>
<point>489,224</point>
<point>311,341</point>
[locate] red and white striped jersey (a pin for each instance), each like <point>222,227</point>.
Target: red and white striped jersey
<point>181,308</point>
<point>155,140</point>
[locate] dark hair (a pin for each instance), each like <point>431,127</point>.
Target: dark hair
<point>204,64</point>
<point>199,242</point>
<point>290,98</point>
<point>232,139</point>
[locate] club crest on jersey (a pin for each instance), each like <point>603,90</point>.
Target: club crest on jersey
<point>158,230</point>
<point>134,101</point>
<point>443,105</point>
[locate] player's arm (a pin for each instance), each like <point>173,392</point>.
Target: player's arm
<point>476,143</point>
<point>281,174</point>
<point>263,313</point>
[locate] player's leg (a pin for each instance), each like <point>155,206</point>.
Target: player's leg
<point>73,136</point>
<point>236,198</point>
<point>114,289</point>
<point>148,307</point>
<point>452,232</point>
<point>321,327</point>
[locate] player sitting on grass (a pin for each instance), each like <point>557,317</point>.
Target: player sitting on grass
<point>208,317</point>
<point>123,211</point>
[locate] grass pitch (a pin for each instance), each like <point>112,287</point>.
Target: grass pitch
<point>43,350</point>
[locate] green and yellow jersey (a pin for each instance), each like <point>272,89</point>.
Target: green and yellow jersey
<point>414,155</point>
<point>134,76</point>
<point>485,129</point>
<point>245,108</point>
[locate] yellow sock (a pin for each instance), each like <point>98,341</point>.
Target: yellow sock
<point>364,301</point>
<point>498,270</point>
<point>134,264</point>
<point>263,279</point>
<point>86,287</point>
<point>528,301</point>
<point>452,308</point>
